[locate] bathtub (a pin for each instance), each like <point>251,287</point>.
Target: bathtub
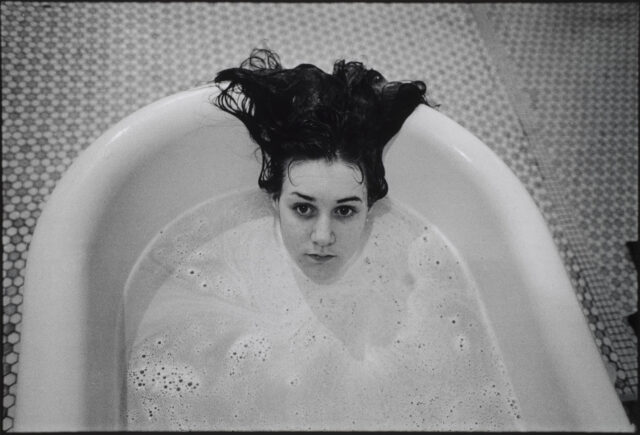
<point>180,151</point>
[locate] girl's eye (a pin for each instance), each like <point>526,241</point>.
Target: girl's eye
<point>345,211</point>
<point>303,209</point>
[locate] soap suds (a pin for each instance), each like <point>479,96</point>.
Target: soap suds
<point>237,338</point>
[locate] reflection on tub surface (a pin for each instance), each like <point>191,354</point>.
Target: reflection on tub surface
<point>236,337</point>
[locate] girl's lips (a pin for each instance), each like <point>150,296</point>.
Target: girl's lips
<point>320,258</point>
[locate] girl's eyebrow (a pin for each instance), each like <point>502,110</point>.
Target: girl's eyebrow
<point>307,197</point>
<point>340,201</point>
<point>350,198</point>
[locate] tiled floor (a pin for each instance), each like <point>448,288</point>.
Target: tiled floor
<point>552,88</point>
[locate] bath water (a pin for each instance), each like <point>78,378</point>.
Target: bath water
<point>236,337</point>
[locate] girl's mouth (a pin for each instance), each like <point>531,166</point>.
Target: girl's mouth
<point>319,258</point>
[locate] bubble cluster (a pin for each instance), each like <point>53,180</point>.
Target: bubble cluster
<point>167,380</point>
<point>158,385</point>
<point>462,343</point>
<point>246,350</point>
<point>151,371</point>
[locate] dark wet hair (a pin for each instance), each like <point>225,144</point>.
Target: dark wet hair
<point>303,113</point>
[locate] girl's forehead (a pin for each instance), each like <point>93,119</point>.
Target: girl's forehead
<point>324,179</point>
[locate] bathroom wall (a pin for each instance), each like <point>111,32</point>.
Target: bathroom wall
<point>551,88</point>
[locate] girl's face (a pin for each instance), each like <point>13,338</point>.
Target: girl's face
<point>322,211</point>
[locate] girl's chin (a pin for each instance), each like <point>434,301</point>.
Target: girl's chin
<point>322,271</point>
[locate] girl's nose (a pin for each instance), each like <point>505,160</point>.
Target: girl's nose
<point>322,233</point>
